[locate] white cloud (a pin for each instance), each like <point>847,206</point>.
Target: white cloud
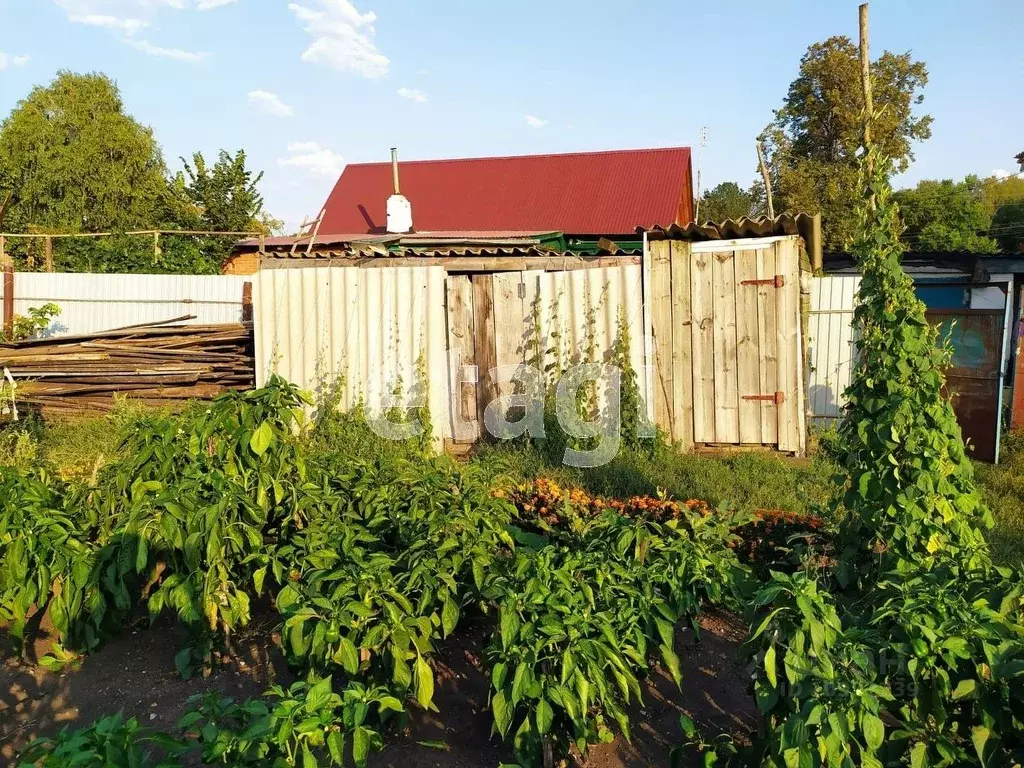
<point>127,17</point>
<point>311,157</point>
<point>413,94</point>
<point>14,61</point>
<point>270,103</point>
<point>999,173</point>
<point>342,37</point>
<point>190,57</point>
<point>535,122</point>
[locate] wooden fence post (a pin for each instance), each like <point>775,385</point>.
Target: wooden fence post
<point>246,302</point>
<point>8,265</point>
<point>48,253</point>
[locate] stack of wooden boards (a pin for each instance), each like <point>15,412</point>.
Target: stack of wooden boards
<point>155,364</point>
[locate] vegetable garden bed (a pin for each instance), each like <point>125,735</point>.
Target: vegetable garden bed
<point>382,597</point>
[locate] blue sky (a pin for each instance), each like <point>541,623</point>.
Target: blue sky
<point>306,86</point>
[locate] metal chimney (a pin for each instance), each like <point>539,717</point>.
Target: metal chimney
<point>399,209</point>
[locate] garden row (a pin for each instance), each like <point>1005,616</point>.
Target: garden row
<point>370,565</point>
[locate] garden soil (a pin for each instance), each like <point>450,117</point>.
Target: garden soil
<point>134,673</point>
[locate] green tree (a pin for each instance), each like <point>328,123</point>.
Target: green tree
<point>221,197</point>
<point>1003,200</point>
<point>946,215</point>
<point>75,161</point>
<point>813,141</point>
<point>726,201</point>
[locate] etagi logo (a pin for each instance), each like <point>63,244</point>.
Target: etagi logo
<point>520,412</point>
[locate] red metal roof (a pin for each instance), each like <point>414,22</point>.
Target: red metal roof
<point>583,193</point>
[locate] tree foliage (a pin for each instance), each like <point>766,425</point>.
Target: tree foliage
<point>1003,200</point>
<point>77,162</point>
<point>74,161</point>
<point>946,215</point>
<point>813,140</point>
<point>726,201</point>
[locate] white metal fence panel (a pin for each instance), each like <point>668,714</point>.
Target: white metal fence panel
<point>98,302</point>
<point>357,335</point>
<point>830,342</point>
<point>583,307</point>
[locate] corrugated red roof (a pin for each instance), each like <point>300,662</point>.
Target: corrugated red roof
<point>583,193</point>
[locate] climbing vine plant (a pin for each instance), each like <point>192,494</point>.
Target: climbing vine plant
<point>910,494</point>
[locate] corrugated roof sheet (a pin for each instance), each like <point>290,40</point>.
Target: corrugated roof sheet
<point>583,193</point>
<point>356,250</point>
<point>733,229</point>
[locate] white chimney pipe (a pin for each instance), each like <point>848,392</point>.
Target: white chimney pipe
<point>399,209</point>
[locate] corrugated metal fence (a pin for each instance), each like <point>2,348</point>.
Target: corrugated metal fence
<point>362,334</point>
<point>90,303</point>
<point>830,343</point>
<point>355,334</point>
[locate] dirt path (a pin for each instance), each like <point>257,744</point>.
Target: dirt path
<point>135,673</point>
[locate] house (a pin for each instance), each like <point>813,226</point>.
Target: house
<point>580,202</point>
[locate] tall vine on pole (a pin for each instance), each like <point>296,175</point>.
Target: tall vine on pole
<point>911,496</point>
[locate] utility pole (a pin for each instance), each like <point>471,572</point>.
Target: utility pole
<point>865,81</point>
<point>766,178</point>
<point>700,154</point>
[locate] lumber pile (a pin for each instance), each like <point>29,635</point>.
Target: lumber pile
<point>156,364</point>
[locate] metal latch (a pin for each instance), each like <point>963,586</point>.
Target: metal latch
<point>778,281</point>
<point>778,398</point>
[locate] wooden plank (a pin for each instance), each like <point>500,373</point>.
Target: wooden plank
<point>661,317</point>
<point>509,328</point>
<point>786,332</point>
<point>748,367</point>
<point>682,346</point>
<point>703,318</point>
<point>8,300</point>
<point>727,424</point>
<point>461,354</point>
<point>483,344</point>
<point>767,344</point>
<point>800,401</point>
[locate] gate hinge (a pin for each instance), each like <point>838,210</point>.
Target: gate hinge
<point>778,281</point>
<point>778,398</point>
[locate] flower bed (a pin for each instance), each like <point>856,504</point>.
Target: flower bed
<point>768,539</point>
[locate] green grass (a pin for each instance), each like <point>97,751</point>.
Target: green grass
<point>1003,488</point>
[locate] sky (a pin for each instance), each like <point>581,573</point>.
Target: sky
<point>307,86</point>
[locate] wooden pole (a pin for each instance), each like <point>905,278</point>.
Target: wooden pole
<point>766,178</point>
<point>156,247</point>
<point>8,283</point>
<point>865,81</point>
<point>48,253</point>
<point>246,302</point>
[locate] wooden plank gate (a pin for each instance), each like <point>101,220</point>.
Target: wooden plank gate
<point>727,342</point>
<point>502,319</point>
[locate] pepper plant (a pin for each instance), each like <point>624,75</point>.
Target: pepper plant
<point>307,724</point>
